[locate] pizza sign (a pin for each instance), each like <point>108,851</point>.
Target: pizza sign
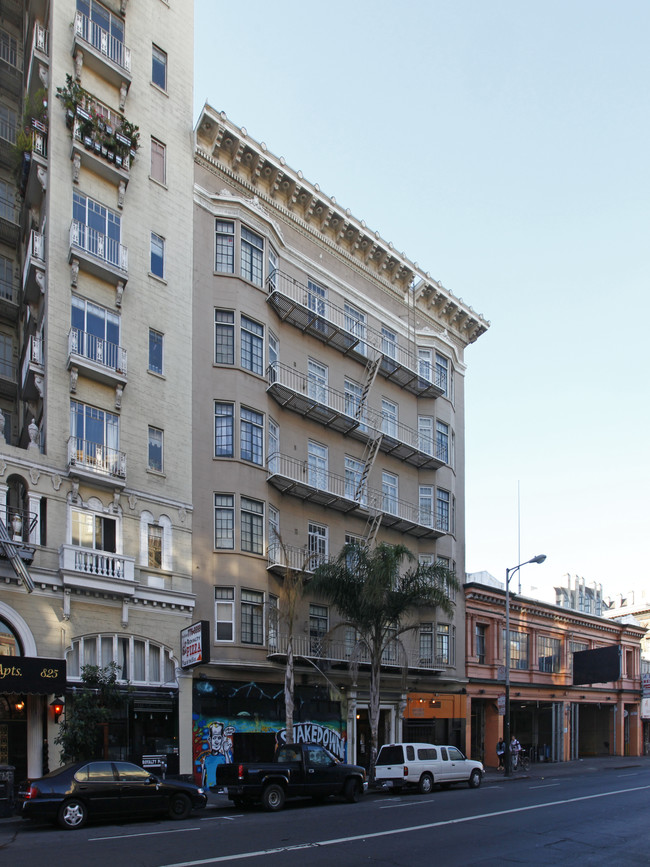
<point>195,644</point>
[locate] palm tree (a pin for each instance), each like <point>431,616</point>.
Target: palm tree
<point>375,597</point>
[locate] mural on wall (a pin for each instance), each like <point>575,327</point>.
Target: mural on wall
<point>223,711</point>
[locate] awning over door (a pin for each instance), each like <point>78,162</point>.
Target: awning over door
<point>32,674</point>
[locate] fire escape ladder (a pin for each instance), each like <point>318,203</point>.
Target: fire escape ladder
<point>370,375</point>
<point>10,549</point>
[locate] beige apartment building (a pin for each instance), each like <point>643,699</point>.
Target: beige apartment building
<point>96,167</point>
<point>328,405</point>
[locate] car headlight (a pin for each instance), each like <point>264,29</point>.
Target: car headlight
<point>201,791</point>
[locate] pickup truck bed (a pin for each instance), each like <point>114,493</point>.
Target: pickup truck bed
<point>297,771</point>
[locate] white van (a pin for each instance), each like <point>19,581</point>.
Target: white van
<point>425,765</point>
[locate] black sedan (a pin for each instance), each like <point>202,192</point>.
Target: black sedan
<point>105,790</point>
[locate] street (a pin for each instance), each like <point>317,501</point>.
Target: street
<point>595,816</point>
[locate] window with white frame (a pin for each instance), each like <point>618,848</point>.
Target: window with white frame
<point>252,617</point>
<point>443,379</point>
<point>252,345</point>
<point>252,256</point>
<point>95,333</point>
<point>442,441</point>
<point>102,29</point>
<point>317,377</point>
<point>159,67</point>
<point>273,269</point>
<point>225,247</point>
<point>316,298</point>
<point>155,541</point>
<point>317,465</point>
<point>156,342</point>
<point>355,488</point>
<point>426,644</point>
<point>425,434</point>
<point>155,450</point>
<point>355,323</point>
<point>224,521</point>
<point>388,342</point>
<point>97,229</point>
<point>154,546</point>
<point>158,161</point>
<point>224,613</point>
<point>252,526</point>
<point>95,437</point>
<point>318,544</point>
<point>445,644</point>
<point>157,255</point>
<point>426,505</point>
<point>518,649</point>
<point>389,415</point>
<point>425,361</point>
<point>442,510</point>
<point>480,639</point>
<point>274,446</point>
<point>274,355</point>
<point>8,49</point>
<point>251,436</point>
<point>318,627</point>
<point>138,660</point>
<point>93,530</point>
<point>353,402</point>
<point>274,531</point>
<point>224,337</point>
<point>224,430</point>
<point>273,622</point>
<point>389,490</point>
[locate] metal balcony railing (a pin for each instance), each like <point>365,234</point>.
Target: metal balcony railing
<point>97,349</point>
<point>105,43</point>
<point>96,457</point>
<point>99,246</point>
<point>20,523</point>
<point>292,557</point>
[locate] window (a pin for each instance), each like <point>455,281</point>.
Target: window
<point>252,619</point>
<point>355,488</point>
<point>101,29</point>
<point>426,644</point>
<point>251,436</point>
<point>274,355</point>
<point>6,356</point>
<point>424,364</point>
<point>442,441</point>
<point>157,255</point>
<point>7,204</point>
<point>389,490</point>
<point>481,642</point>
<point>96,229</point>
<point>252,256</point>
<point>442,373</point>
<point>159,67</point>
<point>252,526</point>
<point>316,298</point>
<point>95,438</point>
<point>442,510</point>
<point>426,505</point>
<point>317,466</point>
<point>273,268</point>
<point>273,622</point>
<point>93,531</point>
<point>154,546</point>
<point>224,337</point>
<point>389,418</point>
<point>252,345</point>
<point>318,626</point>
<point>274,527</point>
<point>224,430</point>
<point>443,649</point>
<point>225,247</point>
<point>274,446</point>
<point>388,342</point>
<point>548,653</point>
<point>425,434</point>
<point>158,161</point>
<point>224,521</point>
<point>318,544</point>
<point>155,453</point>
<point>8,49</point>
<point>317,376</point>
<point>355,323</point>
<point>518,649</point>
<point>95,333</point>
<point>224,613</point>
<point>353,402</point>
<point>135,659</point>
<point>155,352</point>
<point>576,647</point>
<point>8,124</point>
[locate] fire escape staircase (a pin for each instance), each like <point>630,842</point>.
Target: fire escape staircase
<point>18,555</point>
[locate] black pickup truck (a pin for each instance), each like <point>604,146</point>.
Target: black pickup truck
<point>297,771</point>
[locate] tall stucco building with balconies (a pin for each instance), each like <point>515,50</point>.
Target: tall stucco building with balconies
<point>96,167</point>
<point>328,406</point>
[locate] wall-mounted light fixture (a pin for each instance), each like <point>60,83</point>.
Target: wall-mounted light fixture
<point>57,708</point>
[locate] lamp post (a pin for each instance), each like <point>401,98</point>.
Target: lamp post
<point>506,723</point>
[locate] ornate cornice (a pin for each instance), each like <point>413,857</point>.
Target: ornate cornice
<point>250,164</point>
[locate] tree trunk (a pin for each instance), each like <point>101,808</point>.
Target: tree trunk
<point>373,710</point>
<point>288,692</point>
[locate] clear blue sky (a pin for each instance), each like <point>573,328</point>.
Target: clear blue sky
<point>504,145</point>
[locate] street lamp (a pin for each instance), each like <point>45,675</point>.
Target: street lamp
<point>509,573</point>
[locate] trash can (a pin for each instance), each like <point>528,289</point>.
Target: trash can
<point>6,790</point>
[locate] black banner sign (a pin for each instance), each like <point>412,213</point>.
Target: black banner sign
<point>30,674</point>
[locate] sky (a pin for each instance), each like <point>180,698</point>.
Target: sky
<point>504,145</point>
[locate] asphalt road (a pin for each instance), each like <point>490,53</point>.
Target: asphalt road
<point>594,816</point>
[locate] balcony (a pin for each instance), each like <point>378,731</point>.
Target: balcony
<point>100,141</point>
<point>333,409</point>
<point>405,517</point>
<point>33,180</point>
<point>102,52</point>
<point>33,370</point>
<point>318,317</point>
<point>98,254</point>
<point>328,653</point>
<point>9,225</point>
<point>21,526</point>
<point>99,571</point>
<point>34,268</point>
<point>39,60</point>
<point>292,558</point>
<point>96,462</point>
<point>97,358</point>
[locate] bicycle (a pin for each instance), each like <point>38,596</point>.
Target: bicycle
<point>519,761</point>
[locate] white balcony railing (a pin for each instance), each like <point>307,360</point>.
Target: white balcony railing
<point>91,562</point>
<point>97,349</point>
<point>41,40</point>
<point>106,44</point>
<point>35,253</point>
<point>294,558</point>
<point>99,246</point>
<point>96,457</point>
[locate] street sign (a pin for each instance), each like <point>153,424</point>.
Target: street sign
<point>501,672</point>
<point>501,704</point>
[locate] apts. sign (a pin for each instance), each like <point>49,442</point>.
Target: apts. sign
<point>29,674</point>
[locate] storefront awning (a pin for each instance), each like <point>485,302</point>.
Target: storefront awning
<point>32,674</point>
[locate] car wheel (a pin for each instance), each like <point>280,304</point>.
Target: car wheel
<point>72,815</point>
<point>180,807</point>
<point>352,791</point>
<point>474,779</point>
<point>273,798</point>
<point>425,785</point>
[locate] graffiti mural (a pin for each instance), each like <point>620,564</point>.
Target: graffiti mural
<point>226,713</point>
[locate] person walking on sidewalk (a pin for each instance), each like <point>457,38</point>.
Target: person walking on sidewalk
<point>501,748</point>
<point>515,746</point>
